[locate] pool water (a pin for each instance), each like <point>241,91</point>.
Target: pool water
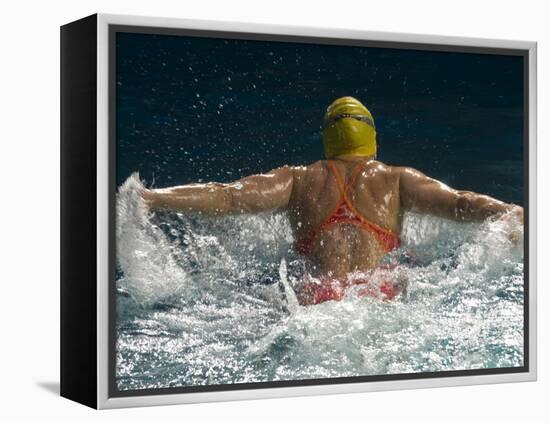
<point>207,301</point>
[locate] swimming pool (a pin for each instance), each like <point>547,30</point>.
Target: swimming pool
<point>207,301</point>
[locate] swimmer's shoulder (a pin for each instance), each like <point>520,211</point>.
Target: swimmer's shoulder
<point>406,172</point>
<point>394,171</point>
<point>392,174</point>
<point>296,172</point>
<point>316,166</point>
<point>302,171</point>
<point>378,167</point>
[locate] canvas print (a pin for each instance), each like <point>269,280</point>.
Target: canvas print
<point>298,211</point>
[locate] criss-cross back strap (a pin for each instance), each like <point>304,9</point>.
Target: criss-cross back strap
<point>343,187</point>
<point>386,238</point>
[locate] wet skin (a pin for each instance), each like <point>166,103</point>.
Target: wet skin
<point>381,193</point>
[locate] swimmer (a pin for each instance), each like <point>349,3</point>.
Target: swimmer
<point>346,211</point>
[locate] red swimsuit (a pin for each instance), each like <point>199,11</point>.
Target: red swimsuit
<point>344,213</point>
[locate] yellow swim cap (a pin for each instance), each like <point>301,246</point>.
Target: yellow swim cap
<point>348,129</point>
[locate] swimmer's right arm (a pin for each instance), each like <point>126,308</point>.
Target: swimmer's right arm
<point>265,192</point>
<point>420,193</point>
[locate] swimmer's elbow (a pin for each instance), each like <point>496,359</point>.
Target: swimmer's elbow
<point>470,206</point>
<point>221,201</point>
<point>235,200</point>
<point>463,206</point>
<point>231,202</point>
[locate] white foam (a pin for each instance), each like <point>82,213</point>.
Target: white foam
<point>463,308</point>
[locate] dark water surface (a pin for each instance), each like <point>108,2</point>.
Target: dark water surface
<point>199,109</point>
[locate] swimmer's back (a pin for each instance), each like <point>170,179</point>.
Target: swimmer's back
<point>343,248</point>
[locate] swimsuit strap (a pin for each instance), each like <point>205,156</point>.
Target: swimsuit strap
<point>387,239</point>
<point>345,188</point>
<point>338,177</point>
<point>357,170</point>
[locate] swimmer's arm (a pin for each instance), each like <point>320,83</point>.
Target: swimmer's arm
<point>266,192</point>
<point>426,195</point>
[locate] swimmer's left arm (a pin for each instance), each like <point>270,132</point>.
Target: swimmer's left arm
<point>420,193</point>
<point>256,193</point>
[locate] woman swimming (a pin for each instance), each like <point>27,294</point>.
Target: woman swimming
<point>346,212</point>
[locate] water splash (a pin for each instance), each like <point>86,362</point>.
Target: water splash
<point>210,301</point>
